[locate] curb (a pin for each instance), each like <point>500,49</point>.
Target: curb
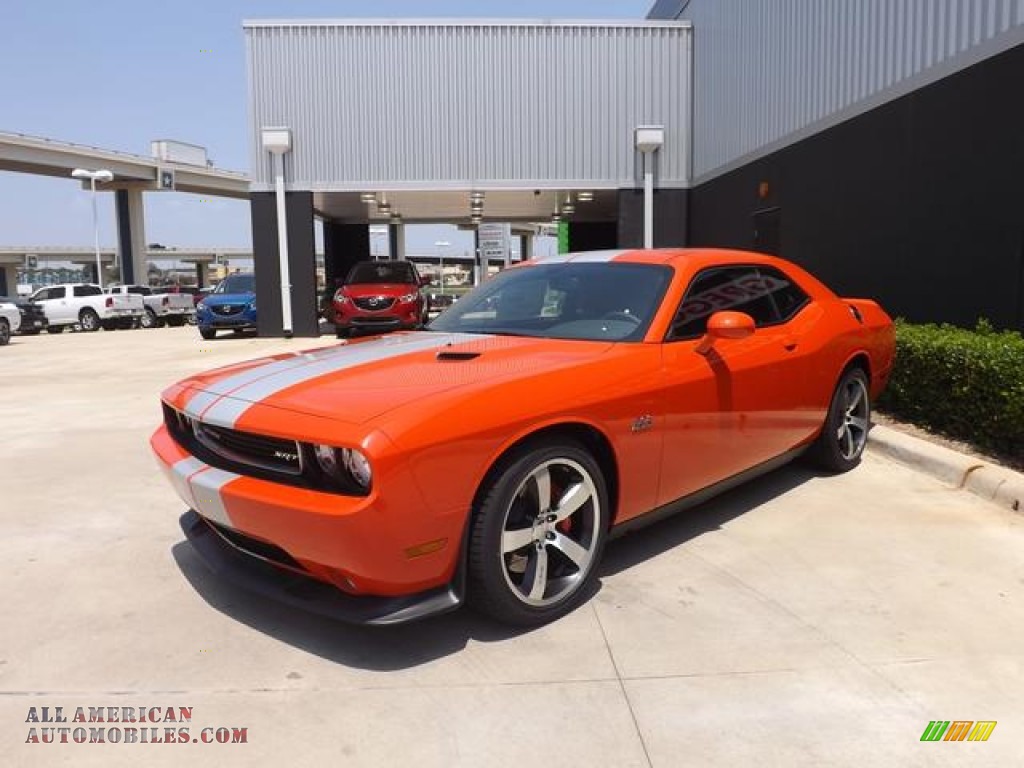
<point>982,478</point>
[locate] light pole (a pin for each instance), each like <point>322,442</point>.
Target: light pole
<point>440,244</point>
<point>93,176</point>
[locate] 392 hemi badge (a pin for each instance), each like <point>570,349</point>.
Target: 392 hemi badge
<point>285,456</point>
<point>642,423</point>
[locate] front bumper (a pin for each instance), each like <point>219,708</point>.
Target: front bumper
<point>361,547</point>
<point>255,574</point>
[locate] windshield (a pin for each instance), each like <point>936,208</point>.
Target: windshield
<point>596,302</point>
<point>381,272</point>
<point>237,284</point>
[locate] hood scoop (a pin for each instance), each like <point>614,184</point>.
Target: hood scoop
<point>451,355</point>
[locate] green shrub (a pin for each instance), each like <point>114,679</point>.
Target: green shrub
<point>966,384</point>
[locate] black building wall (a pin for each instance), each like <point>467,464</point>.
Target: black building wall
<point>918,203</point>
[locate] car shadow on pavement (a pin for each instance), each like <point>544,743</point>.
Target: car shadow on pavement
<point>645,543</point>
<point>408,646</point>
<point>372,648</point>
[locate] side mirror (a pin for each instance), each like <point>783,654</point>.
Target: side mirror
<point>725,325</point>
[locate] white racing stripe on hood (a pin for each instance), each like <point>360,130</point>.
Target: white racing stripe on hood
<point>226,411</point>
<point>203,400</point>
<point>206,487</point>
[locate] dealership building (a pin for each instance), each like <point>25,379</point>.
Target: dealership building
<point>879,143</point>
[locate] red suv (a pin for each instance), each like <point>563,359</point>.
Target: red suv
<point>379,296</point>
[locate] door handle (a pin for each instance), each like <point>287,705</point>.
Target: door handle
<point>789,345</point>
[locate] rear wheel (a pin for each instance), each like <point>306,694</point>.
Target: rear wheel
<point>175,322</point>
<point>148,319</point>
<point>5,332</point>
<point>538,534</point>
<point>207,333</point>
<point>89,320</point>
<point>55,329</point>
<point>844,435</point>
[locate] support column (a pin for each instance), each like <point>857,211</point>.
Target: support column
<point>525,247</point>
<point>301,263</point>
<point>344,246</point>
<point>593,236</point>
<point>396,236</point>
<point>9,280</point>
<point>670,218</point>
<point>131,236</point>
<point>202,274</point>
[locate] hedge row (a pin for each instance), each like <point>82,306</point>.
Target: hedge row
<point>966,384</point>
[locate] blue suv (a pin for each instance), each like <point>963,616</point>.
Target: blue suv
<point>230,306</point>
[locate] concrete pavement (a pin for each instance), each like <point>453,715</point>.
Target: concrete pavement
<point>800,620</point>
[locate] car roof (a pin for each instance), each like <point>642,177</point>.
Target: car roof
<point>695,257</point>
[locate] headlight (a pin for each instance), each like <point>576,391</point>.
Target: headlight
<point>358,466</point>
<point>252,304</point>
<point>345,465</point>
<point>407,298</point>
<point>340,297</point>
<point>201,307</point>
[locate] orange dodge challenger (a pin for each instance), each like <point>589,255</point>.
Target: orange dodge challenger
<point>488,457</point>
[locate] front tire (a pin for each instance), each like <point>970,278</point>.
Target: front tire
<point>844,435</point>
<point>208,333</point>
<point>5,332</point>
<point>148,319</point>
<point>538,534</point>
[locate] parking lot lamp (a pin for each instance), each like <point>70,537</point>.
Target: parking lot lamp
<point>93,176</point>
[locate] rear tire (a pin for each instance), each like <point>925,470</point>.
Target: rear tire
<point>844,435</point>
<point>208,333</point>
<point>89,320</point>
<point>5,332</point>
<point>148,319</point>
<point>538,534</point>
<point>175,322</point>
<point>55,329</point>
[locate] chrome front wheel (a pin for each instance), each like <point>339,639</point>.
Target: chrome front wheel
<point>538,535</point>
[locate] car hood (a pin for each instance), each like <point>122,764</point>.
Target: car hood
<point>359,381</point>
<point>228,298</point>
<point>378,289</point>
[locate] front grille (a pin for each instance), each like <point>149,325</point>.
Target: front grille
<point>374,303</point>
<point>269,453</point>
<point>246,453</point>
<point>227,309</point>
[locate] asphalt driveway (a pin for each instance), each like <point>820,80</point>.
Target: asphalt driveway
<point>800,620</point>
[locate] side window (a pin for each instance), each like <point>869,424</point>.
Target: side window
<point>764,293</point>
<point>787,295</point>
<point>87,290</point>
<point>739,289</point>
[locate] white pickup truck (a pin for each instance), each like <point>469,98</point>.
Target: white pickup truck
<point>88,307</point>
<point>162,307</point>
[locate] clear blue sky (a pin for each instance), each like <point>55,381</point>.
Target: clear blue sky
<point>118,73</point>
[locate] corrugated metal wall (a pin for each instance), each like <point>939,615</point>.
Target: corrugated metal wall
<point>770,71</point>
<point>387,104</point>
